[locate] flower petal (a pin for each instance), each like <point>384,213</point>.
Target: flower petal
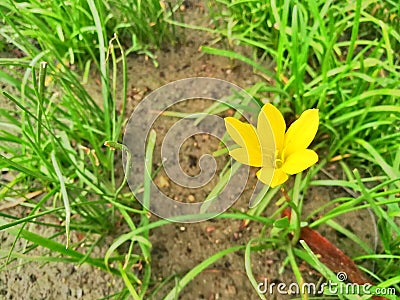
<point>270,118</point>
<point>299,161</point>
<point>301,133</point>
<point>242,133</point>
<point>272,177</point>
<point>279,177</point>
<point>248,157</point>
<point>245,136</point>
<point>265,175</point>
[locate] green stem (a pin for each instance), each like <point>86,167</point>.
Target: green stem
<point>295,269</point>
<point>113,146</point>
<point>296,220</point>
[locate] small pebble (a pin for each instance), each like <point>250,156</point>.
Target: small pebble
<point>231,289</point>
<point>210,229</point>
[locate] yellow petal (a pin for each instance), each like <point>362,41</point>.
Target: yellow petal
<point>299,161</point>
<point>245,136</point>
<point>271,125</point>
<point>301,133</point>
<point>279,177</point>
<point>265,175</point>
<point>248,157</point>
<point>242,133</point>
<point>272,177</point>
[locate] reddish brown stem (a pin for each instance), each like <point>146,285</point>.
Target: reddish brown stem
<point>331,256</point>
<point>285,194</point>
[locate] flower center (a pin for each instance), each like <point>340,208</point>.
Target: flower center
<point>278,159</point>
<point>278,163</point>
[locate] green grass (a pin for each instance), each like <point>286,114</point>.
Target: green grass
<point>337,56</point>
<point>52,131</point>
<point>75,32</point>
<point>52,140</point>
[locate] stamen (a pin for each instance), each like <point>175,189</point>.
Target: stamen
<point>278,163</point>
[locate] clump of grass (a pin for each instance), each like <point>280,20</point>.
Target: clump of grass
<point>70,30</point>
<point>52,134</point>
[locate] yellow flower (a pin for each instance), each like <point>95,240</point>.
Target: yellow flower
<point>276,152</point>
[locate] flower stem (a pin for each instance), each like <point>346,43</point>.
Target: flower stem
<point>296,219</point>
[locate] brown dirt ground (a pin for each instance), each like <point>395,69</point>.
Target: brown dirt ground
<point>177,248</point>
